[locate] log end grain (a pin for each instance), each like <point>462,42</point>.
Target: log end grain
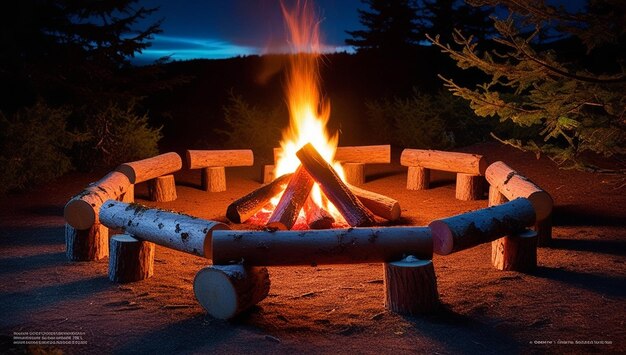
<point>542,203</point>
<point>80,214</point>
<point>443,239</point>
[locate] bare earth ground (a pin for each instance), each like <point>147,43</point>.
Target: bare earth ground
<point>577,294</point>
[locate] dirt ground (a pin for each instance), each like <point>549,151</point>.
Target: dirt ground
<point>574,302</point>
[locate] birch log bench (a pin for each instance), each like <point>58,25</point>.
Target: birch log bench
<point>468,169</point>
<point>352,159</point>
<point>157,171</point>
<point>213,164</point>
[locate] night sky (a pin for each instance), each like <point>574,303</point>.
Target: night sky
<point>217,29</point>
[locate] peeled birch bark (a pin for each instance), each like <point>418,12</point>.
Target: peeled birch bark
<point>197,159</point>
<point>150,168</point>
<point>472,164</point>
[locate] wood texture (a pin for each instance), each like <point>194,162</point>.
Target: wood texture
<point>197,159</point>
<point>517,252</point>
<point>213,179</point>
<point>316,216</point>
<point>410,286</point>
<point>417,178</point>
<point>495,197</point>
<point>129,195</point>
<point>469,187</point>
<point>173,230</point>
<point>472,164</point>
<point>470,229</point>
<point>130,259</point>
<point>354,173</point>
<point>337,192</point>
<point>380,205</point>
<point>81,211</point>
<point>512,185</point>
<point>326,246</point>
<point>292,200</point>
<point>227,290</point>
<point>148,169</point>
<point>162,188</point>
<point>268,173</point>
<point>86,245</point>
<point>247,206</point>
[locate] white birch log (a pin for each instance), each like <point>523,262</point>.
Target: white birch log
<point>472,164</point>
<point>316,247</point>
<point>197,159</point>
<point>130,259</point>
<point>86,245</point>
<point>150,168</point>
<point>417,178</point>
<point>174,230</point>
<point>227,290</point>
<point>410,286</point>
<point>81,212</point>
<point>470,229</point>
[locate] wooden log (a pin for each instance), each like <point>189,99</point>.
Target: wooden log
<point>544,231</point>
<point>292,200</point>
<point>368,154</point>
<point>268,173</point>
<point>247,206</point>
<point>213,179</point>
<point>495,197</point>
<point>174,230</point>
<point>378,204</point>
<point>197,159</point>
<point>162,188</point>
<point>354,173</point>
<point>325,246</point>
<point>227,290</point>
<point>88,244</point>
<point>130,259</point>
<point>467,230</point>
<point>148,169</point>
<point>469,187</point>
<point>472,164</point>
<point>129,195</point>
<point>512,185</point>
<point>81,212</point>
<point>417,178</point>
<point>337,192</point>
<point>516,252</point>
<point>410,286</point>
<point>316,216</point>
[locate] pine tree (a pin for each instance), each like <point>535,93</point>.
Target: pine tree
<point>442,17</point>
<point>569,95</point>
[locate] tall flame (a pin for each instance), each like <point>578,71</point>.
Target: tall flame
<point>309,111</point>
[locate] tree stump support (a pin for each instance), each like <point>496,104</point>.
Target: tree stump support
<point>86,244</point>
<point>516,252</point>
<point>354,173</point>
<point>410,286</point>
<point>268,173</point>
<point>417,178</point>
<point>130,259</point>
<point>214,179</point>
<point>469,187</point>
<point>162,188</point>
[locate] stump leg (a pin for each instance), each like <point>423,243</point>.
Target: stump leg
<point>268,174</point>
<point>410,286</point>
<point>86,245</point>
<point>544,231</point>
<point>130,259</point>
<point>495,197</point>
<point>227,290</point>
<point>468,187</point>
<point>417,178</point>
<point>515,252</point>
<point>129,195</point>
<point>162,189</point>
<point>354,173</point>
<point>214,179</point>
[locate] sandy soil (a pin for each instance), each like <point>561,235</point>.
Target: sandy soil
<point>577,294</point>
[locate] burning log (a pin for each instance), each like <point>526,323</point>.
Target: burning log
<point>162,188</point>
<point>291,202</point>
<point>213,163</point>
<point>316,247</point>
<point>467,230</point>
<point>410,286</point>
<point>81,212</point>
<point>130,259</point>
<point>227,290</point>
<point>378,204</point>
<point>173,230</point>
<point>337,192</point>
<point>316,216</point>
<point>148,169</point>
<point>515,252</point>
<point>247,206</point>
<point>471,164</point>
<point>88,244</point>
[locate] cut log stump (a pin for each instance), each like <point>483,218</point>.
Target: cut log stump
<point>417,178</point>
<point>86,244</point>
<point>469,187</point>
<point>213,179</point>
<point>268,173</point>
<point>354,173</point>
<point>162,189</point>
<point>495,197</point>
<point>227,290</point>
<point>130,259</point>
<point>516,252</point>
<point>410,286</point>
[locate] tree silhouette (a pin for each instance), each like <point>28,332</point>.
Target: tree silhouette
<point>443,17</point>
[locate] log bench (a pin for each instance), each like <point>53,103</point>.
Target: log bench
<point>352,159</point>
<point>213,164</point>
<point>157,171</point>
<point>468,168</point>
